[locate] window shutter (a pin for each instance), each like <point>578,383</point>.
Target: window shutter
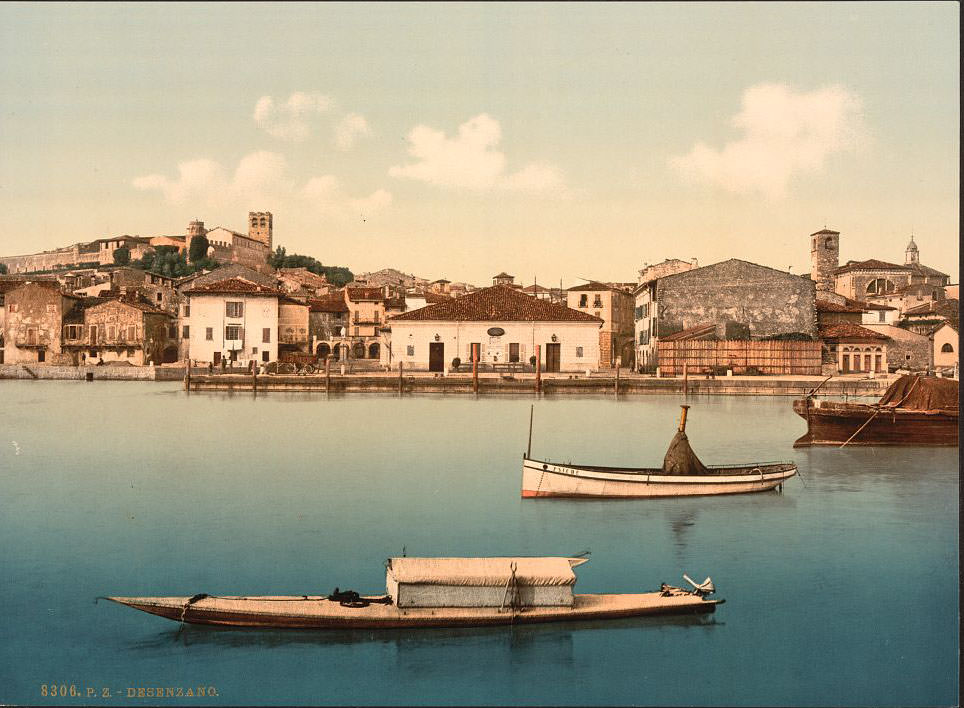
<point>505,353</point>
<point>241,329</point>
<point>522,353</point>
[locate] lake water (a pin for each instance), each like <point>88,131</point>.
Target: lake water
<point>842,591</point>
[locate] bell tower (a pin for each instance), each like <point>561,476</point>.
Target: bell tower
<point>194,230</point>
<point>260,227</point>
<point>824,258</point>
<point>911,254</point>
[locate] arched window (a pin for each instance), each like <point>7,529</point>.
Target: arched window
<point>880,286</point>
<point>947,349</point>
<point>829,242</point>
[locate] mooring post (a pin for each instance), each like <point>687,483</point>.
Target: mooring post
<point>327,374</point>
<point>686,383</point>
<point>538,370</point>
<point>187,376</point>
<point>401,381</point>
<point>617,380</point>
<point>475,370</point>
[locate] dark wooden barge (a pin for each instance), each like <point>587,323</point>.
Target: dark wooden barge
<point>915,410</point>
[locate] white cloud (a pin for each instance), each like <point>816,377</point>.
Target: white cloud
<point>351,127</point>
<point>471,160</point>
<point>326,195</point>
<point>785,133</point>
<point>260,178</point>
<point>292,119</point>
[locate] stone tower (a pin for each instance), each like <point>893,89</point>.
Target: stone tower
<point>824,258</point>
<point>259,227</point>
<point>194,229</point>
<point>911,255</point>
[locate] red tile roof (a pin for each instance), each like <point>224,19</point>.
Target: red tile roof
<point>330,303</point>
<point>233,286</point>
<point>871,264</point>
<point>592,285</point>
<point>849,330</point>
<point>827,306</point>
<point>702,331</point>
<point>498,303</point>
<point>358,294</point>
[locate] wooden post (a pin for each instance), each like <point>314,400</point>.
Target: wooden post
<point>187,376</point>
<point>617,382</point>
<point>475,370</point>
<point>686,383</point>
<point>401,381</point>
<point>327,373</point>
<point>538,370</point>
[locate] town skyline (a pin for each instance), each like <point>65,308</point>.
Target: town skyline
<point>459,141</point>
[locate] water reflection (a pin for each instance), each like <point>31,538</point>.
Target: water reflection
<point>520,638</point>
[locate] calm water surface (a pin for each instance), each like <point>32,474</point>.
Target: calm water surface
<point>840,592</point>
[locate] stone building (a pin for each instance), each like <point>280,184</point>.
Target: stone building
<point>906,349</point>
<point>92,253</point>
<point>504,324</point>
<point>124,329</point>
<point>301,282</point>
<point>32,326</point>
<point>902,286</point>
<point>847,346</point>
<point>366,307</point>
<point>328,326</point>
<point>614,306</point>
<point>644,311</point>
<point>741,300</point>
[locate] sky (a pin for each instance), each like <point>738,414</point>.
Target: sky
<point>552,141</point>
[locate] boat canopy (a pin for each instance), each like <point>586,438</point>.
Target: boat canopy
<point>922,393</point>
<point>483,572</point>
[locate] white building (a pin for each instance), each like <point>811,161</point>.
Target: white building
<point>945,340</point>
<point>233,319</point>
<point>507,325</point>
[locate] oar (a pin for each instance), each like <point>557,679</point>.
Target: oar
<point>819,386</point>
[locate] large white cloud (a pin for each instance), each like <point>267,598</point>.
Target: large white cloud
<point>260,178</point>
<point>291,120</point>
<point>785,133</point>
<point>471,160</point>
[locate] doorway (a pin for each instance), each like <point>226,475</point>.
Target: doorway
<point>436,356</point>
<point>553,357</point>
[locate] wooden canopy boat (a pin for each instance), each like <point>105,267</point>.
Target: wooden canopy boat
<point>915,410</point>
<point>438,592</point>
<point>682,474</point>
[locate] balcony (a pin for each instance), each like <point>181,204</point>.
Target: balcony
<point>366,320</point>
<point>24,342</point>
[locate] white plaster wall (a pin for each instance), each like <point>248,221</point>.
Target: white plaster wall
<point>945,335</point>
<point>458,336</point>
<point>209,311</point>
<point>873,317</point>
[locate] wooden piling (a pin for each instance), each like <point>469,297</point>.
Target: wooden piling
<point>187,377</point>
<point>538,370</point>
<point>617,382</point>
<point>475,370</point>
<point>327,373</point>
<point>401,381</point>
<point>686,383</point>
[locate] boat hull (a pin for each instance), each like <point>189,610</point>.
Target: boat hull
<point>833,423</point>
<point>546,479</point>
<point>321,613</point>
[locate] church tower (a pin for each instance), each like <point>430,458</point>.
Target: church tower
<point>194,229</point>
<point>911,254</point>
<point>824,258</point>
<point>260,228</point>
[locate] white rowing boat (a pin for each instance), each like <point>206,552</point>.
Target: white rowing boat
<point>682,474</point>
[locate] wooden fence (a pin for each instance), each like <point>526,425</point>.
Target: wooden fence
<point>770,357</point>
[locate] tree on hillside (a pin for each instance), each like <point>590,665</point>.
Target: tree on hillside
<point>336,275</point>
<point>3,268</point>
<point>199,248</point>
<point>122,256</point>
